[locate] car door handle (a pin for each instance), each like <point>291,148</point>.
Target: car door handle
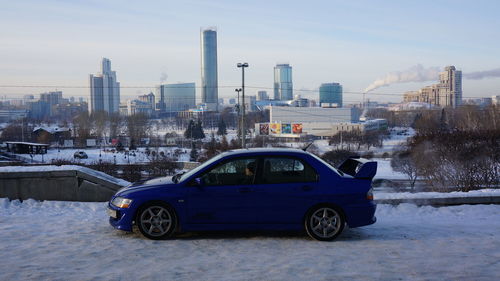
<point>244,190</point>
<point>306,187</point>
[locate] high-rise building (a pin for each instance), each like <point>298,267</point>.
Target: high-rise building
<point>176,97</point>
<point>47,102</point>
<point>450,90</point>
<point>149,99</point>
<point>52,98</point>
<point>104,89</point>
<point>495,100</point>
<point>262,95</point>
<point>283,87</point>
<point>209,86</point>
<point>331,94</point>
<point>447,93</point>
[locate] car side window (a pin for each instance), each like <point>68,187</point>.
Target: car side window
<point>287,170</point>
<point>235,172</point>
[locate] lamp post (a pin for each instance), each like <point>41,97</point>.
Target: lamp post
<point>238,130</point>
<point>243,130</point>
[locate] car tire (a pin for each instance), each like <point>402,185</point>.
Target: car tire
<point>324,223</point>
<point>156,221</point>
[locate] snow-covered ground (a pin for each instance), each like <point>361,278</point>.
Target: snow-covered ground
<point>398,136</point>
<point>73,241</point>
<point>96,154</point>
<point>385,171</point>
<point>427,195</point>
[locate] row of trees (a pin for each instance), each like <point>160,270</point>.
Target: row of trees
<point>103,125</point>
<point>454,149</point>
<point>356,138</point>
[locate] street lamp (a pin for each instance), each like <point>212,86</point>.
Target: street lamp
<point>243,130</point>
<point>238,90</point>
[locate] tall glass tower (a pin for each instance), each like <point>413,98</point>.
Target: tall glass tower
<point>104,89</point>
<point>283,87</point>
<point>209,87</point>
<point>330,93</point>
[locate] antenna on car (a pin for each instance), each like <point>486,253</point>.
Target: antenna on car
<point>307,146</point>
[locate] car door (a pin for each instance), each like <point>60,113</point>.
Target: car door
<point>285,190</point>
<point>222,197</point>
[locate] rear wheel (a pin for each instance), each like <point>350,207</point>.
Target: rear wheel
<point>156,221</point>
<point>324,223</point>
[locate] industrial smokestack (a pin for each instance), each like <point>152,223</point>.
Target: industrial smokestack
<point>415,73</point>
<point>482,74</point>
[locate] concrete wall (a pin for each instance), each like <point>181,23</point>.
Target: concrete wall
<point>443,201</point>
<point>68,185</point>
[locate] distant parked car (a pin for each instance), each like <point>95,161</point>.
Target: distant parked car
<point>80,155</point>
<point>252,189</point>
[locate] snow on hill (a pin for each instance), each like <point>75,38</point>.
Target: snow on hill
<point>73,241</point>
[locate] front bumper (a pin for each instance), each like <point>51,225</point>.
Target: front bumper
<point>120,218</point>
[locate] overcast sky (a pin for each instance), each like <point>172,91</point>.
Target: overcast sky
<point>59,43</point>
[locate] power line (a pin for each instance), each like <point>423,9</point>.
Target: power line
<point>227,86</point>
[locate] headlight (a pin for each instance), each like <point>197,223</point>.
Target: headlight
<point>121,202</point>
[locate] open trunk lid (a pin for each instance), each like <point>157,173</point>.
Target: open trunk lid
<point>359,168</point>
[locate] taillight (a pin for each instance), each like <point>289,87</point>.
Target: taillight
<point>369,194</point>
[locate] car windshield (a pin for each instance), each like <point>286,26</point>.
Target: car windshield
<point>199,168</point>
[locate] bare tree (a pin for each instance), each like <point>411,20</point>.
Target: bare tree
<point>403,161</point>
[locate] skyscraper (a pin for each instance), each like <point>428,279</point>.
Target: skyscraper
<point>330,93</point>
<point>209,87</point>
<point>283,87</point>
<point>450,87</point>
<point>104,89</point>
<point>262,95</point>
<point>51,99</point>
<point>176,97</point>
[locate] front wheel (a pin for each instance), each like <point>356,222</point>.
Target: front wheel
<point>156,221</point>
<point>324,223</point>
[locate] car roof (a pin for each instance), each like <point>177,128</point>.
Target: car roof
<point>260,151</point>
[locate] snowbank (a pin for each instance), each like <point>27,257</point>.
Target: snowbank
<point>427,195</point>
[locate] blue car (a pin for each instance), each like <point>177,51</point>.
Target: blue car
<point>252,189</point>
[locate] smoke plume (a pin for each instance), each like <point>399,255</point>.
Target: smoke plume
<point>415,73</point>
<point>163,77</point>
<point>482,74</point>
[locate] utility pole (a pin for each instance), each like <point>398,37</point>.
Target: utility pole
<point>243,129</point>
<point>238,130</point>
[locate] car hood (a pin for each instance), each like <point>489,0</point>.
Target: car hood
<point>147,184</point>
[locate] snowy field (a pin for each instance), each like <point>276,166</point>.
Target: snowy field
<point>426,195</point>
<point>73,241</point>
<point>96,154</point>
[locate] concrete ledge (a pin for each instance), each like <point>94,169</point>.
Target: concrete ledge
<point>443,201</point>
<point>62,185</point>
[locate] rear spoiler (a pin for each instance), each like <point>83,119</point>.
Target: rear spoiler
<point>359,168</point>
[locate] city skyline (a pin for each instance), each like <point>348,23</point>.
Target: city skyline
<point>364,43</point>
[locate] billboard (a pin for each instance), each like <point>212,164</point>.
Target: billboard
<point>264,129</point>
<point>274,128</point>
<point>297,128</point>
<point>286,128</point>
